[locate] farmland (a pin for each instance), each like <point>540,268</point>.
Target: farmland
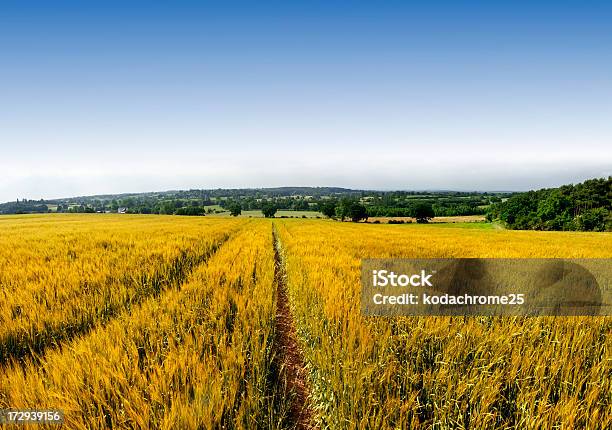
<point>174,322</point>
<point>441,371</point>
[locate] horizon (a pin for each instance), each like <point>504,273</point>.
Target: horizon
<point>103,97</point>
<point>374,190</point>
<point>119,191</point>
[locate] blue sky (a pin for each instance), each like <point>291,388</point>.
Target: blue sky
<point>105,96</point>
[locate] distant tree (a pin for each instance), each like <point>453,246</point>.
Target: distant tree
<point>423,212</point>
<point>269,210</point>
<point>352,209</point>
<point>235,209</point>
<point>190,211</point>
<point>343,208</point>
<point>341,211</point>
<point>553,205</point>
<point>593,220</point>
<point>329,209</point>
<point>167,208</point>
<point>357,212</point>
<point>300,205</point>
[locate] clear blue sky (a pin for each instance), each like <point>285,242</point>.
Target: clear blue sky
<point>126,96</point>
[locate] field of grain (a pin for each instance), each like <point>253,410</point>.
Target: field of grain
<point>188,343</point>
<point>441,372</point>
<point>175,322</point>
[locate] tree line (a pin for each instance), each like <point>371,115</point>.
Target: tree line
<point>356,211</point>
<point>203,202</point>
<point>582,207</point>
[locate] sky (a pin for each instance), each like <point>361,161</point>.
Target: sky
<point>102,97</point>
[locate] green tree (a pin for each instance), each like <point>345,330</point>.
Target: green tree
<point>593,220</point>
<point>343,208</point>
<point>357,212</point>
<point>269,210</point>
<point>235,209</point>
<point>423,212</point>
<point>167,208</point>
<point>300,205</point>
<point>552,206</point>
<point>190,210</point>
<point>329,209</point>
<point>352,209</point>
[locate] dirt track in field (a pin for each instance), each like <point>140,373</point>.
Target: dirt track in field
<point>293,374</point>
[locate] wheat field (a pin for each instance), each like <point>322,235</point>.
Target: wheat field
<point>171,322</point>
<point>442,372</point>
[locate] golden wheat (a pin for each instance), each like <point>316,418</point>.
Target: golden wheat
<point>169,322</point>
<point>197,356</point>
<point>58,279</point>
<point>441,372</point>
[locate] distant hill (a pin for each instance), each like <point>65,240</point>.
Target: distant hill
<point>223,192</point>
<point>202,201</point>
<point>582,207</point>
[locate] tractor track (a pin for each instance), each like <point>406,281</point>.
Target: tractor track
<point>293,374</point>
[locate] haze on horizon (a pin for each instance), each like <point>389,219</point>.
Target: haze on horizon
<point>109,97</point>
